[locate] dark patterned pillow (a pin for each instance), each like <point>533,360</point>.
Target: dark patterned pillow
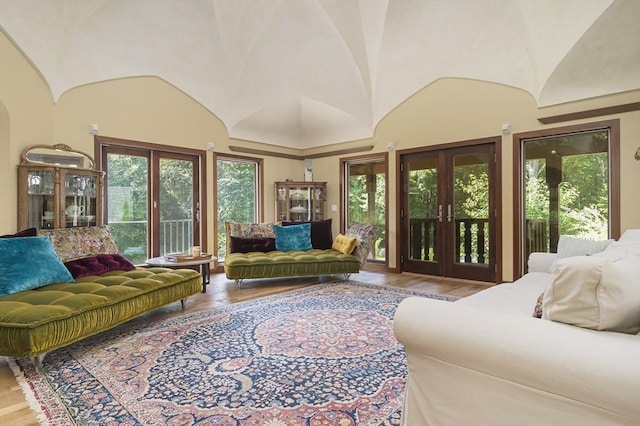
<point>98,265</point>
<point>247,245</point>
<point>29,232</point>
<point>321,237</point>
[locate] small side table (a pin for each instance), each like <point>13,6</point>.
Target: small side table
<point>205,266</point>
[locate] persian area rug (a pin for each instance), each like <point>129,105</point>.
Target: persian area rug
<point>322,355</point>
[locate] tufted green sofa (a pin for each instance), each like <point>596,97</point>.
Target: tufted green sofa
<point>238,266</point>
<point>275,263</point>
<point>36,321</point>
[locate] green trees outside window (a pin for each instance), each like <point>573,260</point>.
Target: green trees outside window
<point>237,195</point>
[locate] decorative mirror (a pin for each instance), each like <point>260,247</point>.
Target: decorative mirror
<point>59,155</point>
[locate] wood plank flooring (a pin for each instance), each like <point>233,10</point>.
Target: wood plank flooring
<point>15,411</point>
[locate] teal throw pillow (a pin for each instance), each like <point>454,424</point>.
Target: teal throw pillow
<point>294,237</point>
<point>29,262</point>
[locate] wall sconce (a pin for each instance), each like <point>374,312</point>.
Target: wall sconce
<point>638,154</point>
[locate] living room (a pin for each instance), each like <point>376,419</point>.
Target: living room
<point>39,106</point>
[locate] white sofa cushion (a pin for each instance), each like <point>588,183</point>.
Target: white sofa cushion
<point>594,292</point>
<point>515,298</point>
<point>571,246</point>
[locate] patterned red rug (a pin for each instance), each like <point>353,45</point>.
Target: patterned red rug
<point>322,355</point>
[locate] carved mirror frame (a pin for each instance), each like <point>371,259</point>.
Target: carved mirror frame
<point>58,155</point>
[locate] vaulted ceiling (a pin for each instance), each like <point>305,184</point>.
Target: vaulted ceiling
<point>308,73</point>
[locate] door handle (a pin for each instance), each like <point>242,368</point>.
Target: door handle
<point>449,213</point>
<point>440,213</point>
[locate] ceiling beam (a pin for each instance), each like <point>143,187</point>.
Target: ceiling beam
<point>616,109</point>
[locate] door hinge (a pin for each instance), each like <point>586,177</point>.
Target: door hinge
<point>401,213</point>
<point>401,167</point>
<point>401,259</point>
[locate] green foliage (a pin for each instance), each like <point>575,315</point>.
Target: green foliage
<point>366,207</point>
<point>536,192</point>
<point>423,196</point>
<point>236,196</point>
<point>471,191</point>
<point>176,189</point>
<point>583,194</point>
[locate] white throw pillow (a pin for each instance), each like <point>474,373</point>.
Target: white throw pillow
<point>627,245</point>
<point>593,292</point>
<point>571,246</point>
<point>630,236</point>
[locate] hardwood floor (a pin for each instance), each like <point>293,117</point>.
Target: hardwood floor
<point>15,411</point>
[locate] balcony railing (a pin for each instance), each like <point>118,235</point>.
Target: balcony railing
<point>131,237</point>
<point>471,239</point>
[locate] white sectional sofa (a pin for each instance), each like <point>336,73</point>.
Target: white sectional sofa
<point>486,360</point>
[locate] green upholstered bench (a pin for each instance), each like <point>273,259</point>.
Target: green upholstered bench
<point>34,322</point>
<point>238,266</point>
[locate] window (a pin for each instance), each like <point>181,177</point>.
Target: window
<point>365,198</point>
<point>569,185</point>
<point>152,197</point>
<point>238,195</point>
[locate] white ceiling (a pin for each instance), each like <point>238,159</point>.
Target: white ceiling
<point>308,73</point>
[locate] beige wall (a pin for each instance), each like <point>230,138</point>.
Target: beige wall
<point>151,110</point>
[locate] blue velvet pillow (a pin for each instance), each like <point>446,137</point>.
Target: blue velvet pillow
<point>321,237</point>
<point>294,237</point>
<point>29,262</point>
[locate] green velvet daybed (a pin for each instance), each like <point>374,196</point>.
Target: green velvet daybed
<point>42,318</point>
<point>255,250</point>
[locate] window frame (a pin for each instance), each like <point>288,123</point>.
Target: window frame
<point>613,126</point>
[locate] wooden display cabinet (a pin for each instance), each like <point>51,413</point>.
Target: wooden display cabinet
<point>301,201</point>
<point>58,188</point>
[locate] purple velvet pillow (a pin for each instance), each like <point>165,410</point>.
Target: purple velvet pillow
<point>97,265</point>
<point>247,245</point>
<point>29,232</point>
<point>321,237</point>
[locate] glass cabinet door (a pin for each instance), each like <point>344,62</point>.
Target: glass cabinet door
<point>80,199</point>
<point>40,198</point>
<point>299,204</point>
<point>318,200</point>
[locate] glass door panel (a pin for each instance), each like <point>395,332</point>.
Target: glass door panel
<point>128,204</point>
<point>423,214</point>
<point>366,199</point>
<point>469,212</point>
<point>177,212</point>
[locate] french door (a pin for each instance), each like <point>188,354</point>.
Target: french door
<point>152,200</point>
<point>448,212</point>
